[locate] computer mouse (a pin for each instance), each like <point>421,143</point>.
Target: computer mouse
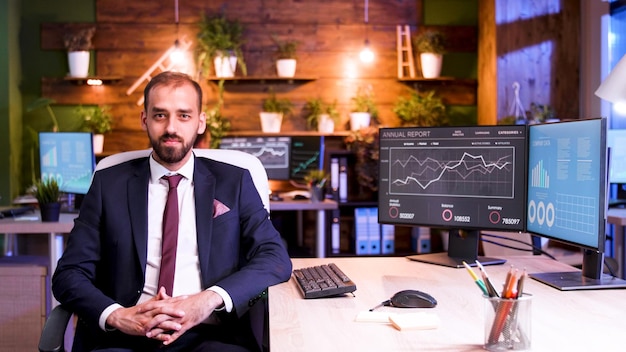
<point>300,197</point>
<point>413,299</point>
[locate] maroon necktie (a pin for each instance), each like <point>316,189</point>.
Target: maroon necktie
<point>170,235</point>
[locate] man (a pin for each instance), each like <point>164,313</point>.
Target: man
<point>228,252</point>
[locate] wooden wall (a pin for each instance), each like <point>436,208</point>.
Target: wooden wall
<point>132,35</point>
<point>534,43</point>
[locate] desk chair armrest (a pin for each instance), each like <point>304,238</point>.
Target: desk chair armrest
<point>53,334</point>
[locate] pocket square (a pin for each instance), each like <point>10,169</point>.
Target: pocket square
<point>219,208</point>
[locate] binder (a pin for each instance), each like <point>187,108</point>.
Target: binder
<point>388,235</point>
<point>335,233</point>
<point>334,177</point>
<point>361,235</point>
<point>373,230</point>
<point>343,179</point>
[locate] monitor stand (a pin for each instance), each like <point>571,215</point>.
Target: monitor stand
<point>591,277</point>
<point>462,247</point>
<point>72,205</point>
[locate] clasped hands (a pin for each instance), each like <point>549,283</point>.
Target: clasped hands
<point>165,318</point>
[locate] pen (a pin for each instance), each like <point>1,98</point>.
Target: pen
<point>520,284</point>
<point>478,281</point>
<point>490,288</point>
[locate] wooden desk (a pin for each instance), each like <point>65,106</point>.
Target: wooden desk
<point>54,231</point>
<point>617,217</point>
<point>561,321</point>
<point>299,206</point>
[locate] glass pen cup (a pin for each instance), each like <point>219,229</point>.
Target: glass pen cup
<point>508,323</point>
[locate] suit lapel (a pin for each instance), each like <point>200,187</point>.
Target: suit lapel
<point>204,193</point>
<point>138,208</point>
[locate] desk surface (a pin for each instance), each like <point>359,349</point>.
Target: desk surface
<point>616,216</point>
<point>17,225</point>
<point>562,321</point>
<point>304,204</point>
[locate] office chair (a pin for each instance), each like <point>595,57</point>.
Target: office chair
<point>53,333</point>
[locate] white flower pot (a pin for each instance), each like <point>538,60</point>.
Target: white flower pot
<point>225,66</point>
<point>271,121</point>
<point>286,67</point>
<point>431,64</point>
<point>325,124</point>
<point>359,120</point>
<point>79,63</point>
<point>98,143</point>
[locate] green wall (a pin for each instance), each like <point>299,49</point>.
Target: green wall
<point>37,63</point>
<point>10,101</point>
<point>460,65</point>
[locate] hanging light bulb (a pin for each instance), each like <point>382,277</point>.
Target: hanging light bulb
<point>366,55</point>
<point>176,56</point>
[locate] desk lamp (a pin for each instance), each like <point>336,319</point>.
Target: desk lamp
<point>613,88</point>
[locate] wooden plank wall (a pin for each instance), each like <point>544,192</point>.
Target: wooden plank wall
<point>131,35</point>
<point>537,45</point>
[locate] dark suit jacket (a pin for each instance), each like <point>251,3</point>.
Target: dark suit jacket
<point>105,258</point>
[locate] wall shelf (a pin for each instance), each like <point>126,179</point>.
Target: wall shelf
<point>93,80</point>
<point>438,81</point>
<point>262,80</point>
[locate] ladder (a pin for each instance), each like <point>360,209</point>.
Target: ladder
<point>164,63</point>
<point>405,52</point>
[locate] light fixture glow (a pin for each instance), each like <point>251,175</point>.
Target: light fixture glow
<point>366,55</point>
<point>177,56</point>
<point>94,82</point>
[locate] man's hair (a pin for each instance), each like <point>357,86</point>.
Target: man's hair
<point>169,78</point>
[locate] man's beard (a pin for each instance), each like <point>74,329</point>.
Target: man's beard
<point>170,155</point>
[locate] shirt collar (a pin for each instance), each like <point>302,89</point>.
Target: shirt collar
<point>157,170</point>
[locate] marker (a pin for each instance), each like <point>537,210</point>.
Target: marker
<point>478,281</point>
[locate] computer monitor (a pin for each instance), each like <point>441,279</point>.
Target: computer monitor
<point>67,157</point>
<point>567,196</point>
<point>285,158</point>
<point>464,179</point>
<point>616,142</point>
<point>273,151</point>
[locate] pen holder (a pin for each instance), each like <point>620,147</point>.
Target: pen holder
<point>508,323</point>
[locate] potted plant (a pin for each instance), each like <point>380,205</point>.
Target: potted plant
<point>47,193</point>
<point>364,143</point>
<point>431,45</point>
<point>217,126</point>
<point>285,57</point>
<point>220,46</point>
<point>363,109</point>
<point>97,120</point>
<point>78,43</point>
<point>421,110</point>
<point>321,115</point>
<point>273,111</point>
<point>316,180</point>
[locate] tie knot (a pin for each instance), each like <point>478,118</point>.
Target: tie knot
<point>173,180</point>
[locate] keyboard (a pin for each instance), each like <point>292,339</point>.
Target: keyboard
<point>15,211</point>
<point>323,281</point>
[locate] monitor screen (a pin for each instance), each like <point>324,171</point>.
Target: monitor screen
<point>567,196</point>
<point>307,153</point>
<point>468,178</point>
<point>69,158</point>
<point>453,177</point>
<point>567,182</point>
<point>616,142</point>
<point>284,157</point>
<point>273,151</point>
